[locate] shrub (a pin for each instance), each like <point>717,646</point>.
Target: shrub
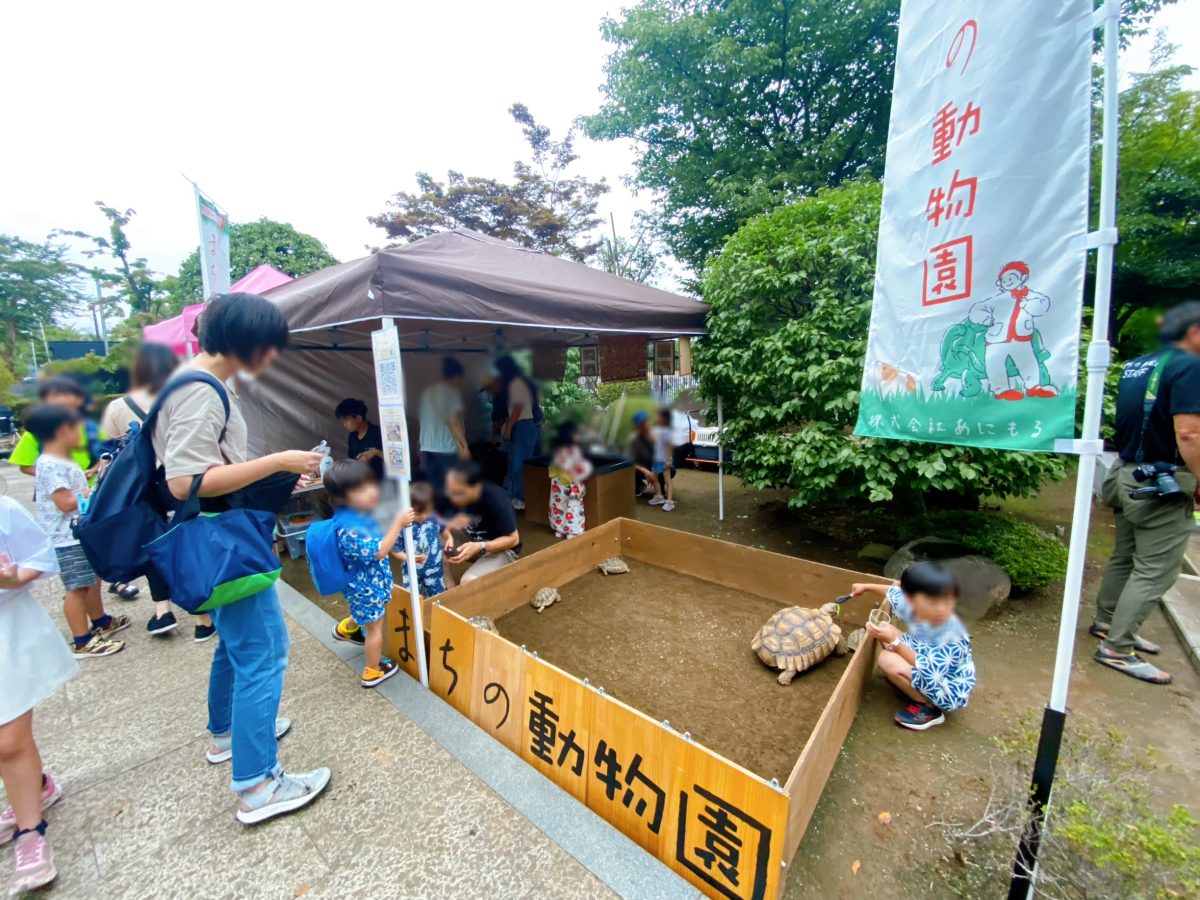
<point>1105,835</point>
<point>1031,557</point>
<point>610,391</point>
<point>790,298</point>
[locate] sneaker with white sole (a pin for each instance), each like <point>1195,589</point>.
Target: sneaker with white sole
<point>518,505</point>
<point>288,794</point>
<point>33,863</point>
<point>51,793</point>
<point>657,501</point>
<point>162,624</point>
<point>919,716</point>
<point>96,648</point>
<point>668,506</point>
<point>115,624</point>
<point>374,677</point>
<point>224,743</point>
<point>204,633</point>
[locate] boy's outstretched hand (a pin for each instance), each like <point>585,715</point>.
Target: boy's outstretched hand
<point>857,588</point>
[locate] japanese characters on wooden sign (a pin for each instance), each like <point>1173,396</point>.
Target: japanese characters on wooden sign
<point>399,636</point>
<point>716,824</point>
<point>979,280</point>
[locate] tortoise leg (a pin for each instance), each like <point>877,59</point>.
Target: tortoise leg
<point>786,676</point>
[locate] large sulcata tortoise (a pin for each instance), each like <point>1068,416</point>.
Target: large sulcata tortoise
<point>545,597</point>
<point>614,565</point>
<point>795,639</point>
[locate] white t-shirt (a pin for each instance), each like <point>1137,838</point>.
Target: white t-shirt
<point>518,392</point>
<point>440,403</point>
<point>662,443</point>
<point>54,474</point>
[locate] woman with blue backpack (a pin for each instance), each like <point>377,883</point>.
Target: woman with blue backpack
<point>200,438</point>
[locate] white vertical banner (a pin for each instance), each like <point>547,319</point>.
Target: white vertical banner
<point>214,245</point>
<point>979,281</point>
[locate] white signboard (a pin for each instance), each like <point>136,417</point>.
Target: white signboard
<point>979,281</point>
<point>389,376</point>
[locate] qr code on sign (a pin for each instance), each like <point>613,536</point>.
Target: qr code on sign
<point>389,378</point>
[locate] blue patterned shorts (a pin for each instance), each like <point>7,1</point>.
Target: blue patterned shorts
<point>365,608</point>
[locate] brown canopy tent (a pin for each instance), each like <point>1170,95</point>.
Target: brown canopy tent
<point>456,292</point>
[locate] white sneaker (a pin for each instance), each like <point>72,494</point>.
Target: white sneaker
<point>668,506</point>
<point>657,501</point>
<point>289,793</point>
<point>224,743</point>
<point>518,505</point>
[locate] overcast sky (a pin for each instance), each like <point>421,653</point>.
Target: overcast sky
<point>309,113</point>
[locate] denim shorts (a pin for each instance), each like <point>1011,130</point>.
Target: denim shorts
<point>659,467</point>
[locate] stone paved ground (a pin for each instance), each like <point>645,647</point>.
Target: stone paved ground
<point>145,816</point>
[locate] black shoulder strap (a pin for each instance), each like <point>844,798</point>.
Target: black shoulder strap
<point>134,408</point>
<point>1152,385</point>
<point>189,377</point>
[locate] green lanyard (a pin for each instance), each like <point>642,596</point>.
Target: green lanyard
<point>1151,397</point>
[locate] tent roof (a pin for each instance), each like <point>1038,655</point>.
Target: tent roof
<point>259,280</point>
<point>461,289</point>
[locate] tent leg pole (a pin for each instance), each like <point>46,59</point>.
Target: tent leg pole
<point>720,461</point>
<point>1098,358</point>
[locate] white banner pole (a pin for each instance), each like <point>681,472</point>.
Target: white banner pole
<point>1098,360</point>
<point>410,556</point>
<point>720,461</point>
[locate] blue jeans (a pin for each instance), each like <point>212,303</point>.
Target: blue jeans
<point>521,446</point>
<point>436,466</point>
<point>245,684</point>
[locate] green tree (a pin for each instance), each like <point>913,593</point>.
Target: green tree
<point>1158,191</point>
<point>543,207</point>
<point>787,334</point>
<point>635,258</point>
<point>136,285</point>
<point>251,244</point>
<point>37,285</point>
<point>738,106</point>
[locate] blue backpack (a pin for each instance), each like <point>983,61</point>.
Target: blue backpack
<point>329,572</point>
<point>128,508</point>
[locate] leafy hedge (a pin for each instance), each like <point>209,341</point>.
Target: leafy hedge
<point>1032,558</point>
<point>610,391</point>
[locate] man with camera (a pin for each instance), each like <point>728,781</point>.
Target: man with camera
<point>1151,490</point>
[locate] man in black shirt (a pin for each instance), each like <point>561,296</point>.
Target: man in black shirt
<point>486,516</point>
<point>1158,427</point>
<point>366,440</point>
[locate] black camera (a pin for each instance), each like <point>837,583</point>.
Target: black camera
<point>1162,481</point>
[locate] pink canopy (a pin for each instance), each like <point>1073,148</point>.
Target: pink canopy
<point>178,332</point>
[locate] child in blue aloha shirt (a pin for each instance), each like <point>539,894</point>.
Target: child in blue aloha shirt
<point>931,663</point>
<point>427,542</point>
<point>364,547</point>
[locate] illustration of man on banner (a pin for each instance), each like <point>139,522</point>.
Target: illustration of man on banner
<point>1009,316</point>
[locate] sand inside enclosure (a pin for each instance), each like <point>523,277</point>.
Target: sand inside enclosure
<point>678,648</point>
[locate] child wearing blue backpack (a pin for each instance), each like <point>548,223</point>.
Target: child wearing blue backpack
<point>350,553</point>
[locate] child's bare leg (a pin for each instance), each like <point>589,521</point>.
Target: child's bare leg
<point>666,474</point>
<point>651,479</point>
<point>21,770</point>
<point>899,672</point>
<point>76,611</point>
<point>93,603</point>
<point>373,645</point>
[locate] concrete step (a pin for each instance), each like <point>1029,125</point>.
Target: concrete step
<point>1182,608</point>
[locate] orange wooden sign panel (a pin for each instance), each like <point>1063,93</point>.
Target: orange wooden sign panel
<point>556,721</point>
<point>731,829</point>
<point>635,771</point>
<point>399,636</point>
<point>451,657</point>
<point>497,690</point>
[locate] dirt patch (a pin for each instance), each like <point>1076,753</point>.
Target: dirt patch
<point>678,648</point>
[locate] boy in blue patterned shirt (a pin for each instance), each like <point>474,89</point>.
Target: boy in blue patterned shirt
<point>427,543</point>
<point>364,548</point>
<point>932,662</point>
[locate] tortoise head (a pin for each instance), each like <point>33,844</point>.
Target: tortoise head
<point>831,610</point>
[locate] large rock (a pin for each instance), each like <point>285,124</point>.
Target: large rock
<point>982,584</point>
<point>877,552</point>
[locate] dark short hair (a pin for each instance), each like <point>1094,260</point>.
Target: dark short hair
<point>928,578</point>
<point>507,367</point>
<point>421,495</point>
<point>45,419</point>
<point>242,325</point>
<point>152,366</point>
<point>344,476</point>
<point>451,367</point>
<point>61,384</point>
<point>351,406</point>
<point>1178,319</point>
<point>468,470</point>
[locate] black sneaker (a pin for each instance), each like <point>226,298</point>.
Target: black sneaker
<point>919,716</point>
<point>162,624</point>
<point>204,632</point>
<point>342,633</point>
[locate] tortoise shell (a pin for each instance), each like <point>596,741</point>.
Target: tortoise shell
<point>795,639</point>
<point>614,565</point>
<point>545,597</point>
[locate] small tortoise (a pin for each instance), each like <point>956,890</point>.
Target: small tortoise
<point>795,639</point>
<point>484,623</point>
<point>545,597</point>
<point>614,565</point>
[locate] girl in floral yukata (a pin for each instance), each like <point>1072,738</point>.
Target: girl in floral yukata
<point>569,469</point>
<point>931,662</point>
